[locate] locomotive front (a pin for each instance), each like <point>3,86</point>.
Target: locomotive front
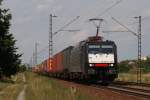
<point>102,60</point>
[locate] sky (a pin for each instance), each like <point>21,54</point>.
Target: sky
<point>30,24</point>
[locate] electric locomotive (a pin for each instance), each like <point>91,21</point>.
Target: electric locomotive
<point>94,60</point>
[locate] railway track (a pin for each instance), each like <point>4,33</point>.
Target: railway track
<point>131,88</point>
<point>145,93</point>
<point>131,83</point>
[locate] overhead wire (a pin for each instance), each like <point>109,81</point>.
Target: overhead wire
<point>61,29</point>
<point>109,8</point>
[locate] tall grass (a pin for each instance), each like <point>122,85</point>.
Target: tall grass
<point>132,77</point>
<point>44,88</point>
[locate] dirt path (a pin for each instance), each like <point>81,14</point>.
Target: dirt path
<point>22,93</point>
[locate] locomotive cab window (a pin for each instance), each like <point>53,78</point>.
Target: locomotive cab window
<point>100,48</point>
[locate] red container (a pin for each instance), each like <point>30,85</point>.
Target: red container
<point>57,63</point>
<point>49,65</point>
<point>54,66</point>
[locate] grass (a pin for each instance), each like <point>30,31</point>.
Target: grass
<point>41,88</point>
<point>10,91</point>
<point>44,88</point>
<point>3,85</point>
<point>133,77</point>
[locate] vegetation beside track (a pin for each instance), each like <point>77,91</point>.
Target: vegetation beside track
<point>43,88</point>
<point>9,90</point>
<point>132,77</point>
<point>127,66</point>
<point>128,70</point>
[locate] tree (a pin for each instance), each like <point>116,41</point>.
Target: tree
<point>9,59</point>
<point>22,68</point>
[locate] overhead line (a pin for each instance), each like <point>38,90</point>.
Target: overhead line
<point>124,26</point>
<point>61,29</point>
<point>110,7</point>
<point>115,31</point>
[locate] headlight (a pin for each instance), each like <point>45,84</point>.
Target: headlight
<point>111,64</point>
<point>91,65</point>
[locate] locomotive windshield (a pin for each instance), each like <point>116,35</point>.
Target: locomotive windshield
<point>100,49</point>
<point>103,53</point>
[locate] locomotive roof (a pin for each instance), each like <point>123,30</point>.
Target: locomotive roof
<point>82,43</point>
<point>101,42</point>
<point>70,47</point>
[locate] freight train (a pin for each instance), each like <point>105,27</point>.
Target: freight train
<point>92,60</point>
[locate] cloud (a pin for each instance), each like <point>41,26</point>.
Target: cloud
<point>31,22</point>
<point>23,20</point>
<point>79,36</point>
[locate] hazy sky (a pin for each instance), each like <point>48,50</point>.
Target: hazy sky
<point>30,24</point>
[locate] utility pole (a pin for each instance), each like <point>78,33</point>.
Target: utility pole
<point>139,72</point>
<point>36,44</point>
<point>31,62</point>
<point>33,59</point>
<point>138,35</point>
<point>51,36</point>
<point>51,39</point>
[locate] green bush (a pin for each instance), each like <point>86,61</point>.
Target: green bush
<point>126,66</point>
<point>123,67</point>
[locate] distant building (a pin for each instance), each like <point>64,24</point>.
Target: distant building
<point>131,62</point>
<point>144,58</point>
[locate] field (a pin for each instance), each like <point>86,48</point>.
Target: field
<point>133,77</point>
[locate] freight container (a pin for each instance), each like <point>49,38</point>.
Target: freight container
<point>49,65</point>
<point>66,58</point>
<point>59,64</point>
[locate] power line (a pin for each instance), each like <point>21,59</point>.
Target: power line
<point>106,10</point>
<point>124,26</point>
<point>61,29</point>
